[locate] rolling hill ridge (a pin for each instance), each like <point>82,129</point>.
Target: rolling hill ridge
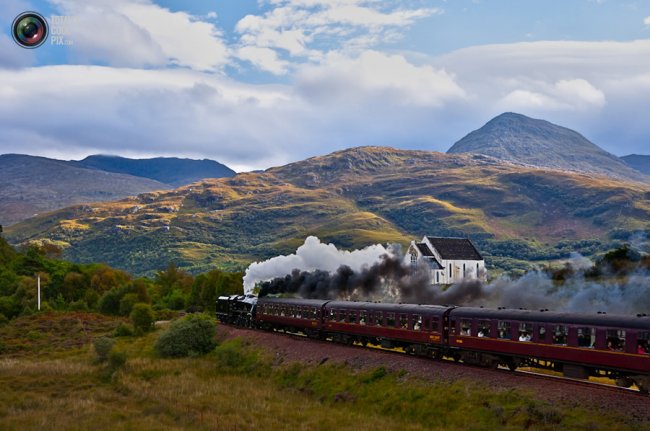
<point>352,198</point>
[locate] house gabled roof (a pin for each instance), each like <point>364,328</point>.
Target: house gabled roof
<point>455,248</point>
<point>428,255</point>
<point>424,249</point>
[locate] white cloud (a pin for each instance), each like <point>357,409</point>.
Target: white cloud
<point>374,75</point>
<point>646,21</point>
<point>601,89</point>
<point>308,30</point>
<point>141,33</point>
<point>263,58</point>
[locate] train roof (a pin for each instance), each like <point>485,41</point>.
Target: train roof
<point>595,319</point>
<point>292,301</point>
<point>387,306</point>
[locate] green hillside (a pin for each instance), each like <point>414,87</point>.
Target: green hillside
<point>353,198</point>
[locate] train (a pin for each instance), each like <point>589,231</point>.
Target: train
<point>578,345</point>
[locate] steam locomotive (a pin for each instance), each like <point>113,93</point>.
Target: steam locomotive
<point>578,345</point>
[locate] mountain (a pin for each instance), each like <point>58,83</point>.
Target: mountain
<point>353,198</point>
<point>520,139</point>
<point>639,162</point>
<point>169,170</point>
<point>31,185</point>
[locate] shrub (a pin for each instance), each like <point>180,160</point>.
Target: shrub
<point>116,360</point>
<point>142,317</point>
<point>103,346</point>
<point>79,306</point>
<point>192,335</point>
<point>3,319</point>
<point>123,330</point>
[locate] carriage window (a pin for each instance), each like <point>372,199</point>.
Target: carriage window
<point>586,337</point>
<point>483,328</point>
<point>616,340</point>
<point>466,327</point>
<point>363,317</point>
<point>332,315</point>
<point>379,318</point>
<point>403,321</point>
<point>559,335</point>
<point>435,324</point>
<point>525,331</point>
<point>504,330</point>
<point>342,316</point>
<point>390,319</point>
<point>452,328</point>
<point>352,317</point>
<point>542,333</point>
<point>643,343</point>
<point>427,324</point>
<point>417,322</point>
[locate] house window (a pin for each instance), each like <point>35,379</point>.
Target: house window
<point>450,270</point>
<point>414,259</point>
<point>464,273</point>
<point>437,276</point>
<point>477,270</point>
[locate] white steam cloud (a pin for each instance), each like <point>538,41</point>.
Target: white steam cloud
<point>310,256</point>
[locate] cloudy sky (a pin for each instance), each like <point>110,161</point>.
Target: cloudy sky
<point>257,83</point>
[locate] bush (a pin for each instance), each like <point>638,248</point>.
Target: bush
<point>3,319</point>
<point>116,360</point>
<point>79,306</point>
<point>103,346</point>
<point>123,330</point>
<point>142,317</point>
<point>192,335</point>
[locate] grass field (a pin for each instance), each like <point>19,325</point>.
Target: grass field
<point>61,386</point>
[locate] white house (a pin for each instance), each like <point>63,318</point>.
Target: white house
<point>450,260</point>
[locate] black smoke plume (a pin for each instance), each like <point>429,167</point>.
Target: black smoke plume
<point>385,280</point>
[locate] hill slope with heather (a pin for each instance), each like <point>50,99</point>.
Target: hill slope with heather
<point>353,198</point>
<point>169,170</point>
<point>32,185</point>
<point>517,138</point>
<point>639,162</point>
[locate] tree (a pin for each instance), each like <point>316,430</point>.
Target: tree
<point>142,317</point>
<point>110,302</point>
<point>74,286</point>
<point>127,303</point>
<point>173,278</point>
<point>106,278</point>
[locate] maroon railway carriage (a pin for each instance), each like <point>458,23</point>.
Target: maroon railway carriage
<point>292,315</point>
<point>416,328</point>
<point>577,344</point>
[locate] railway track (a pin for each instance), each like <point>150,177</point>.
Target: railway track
<point>610,387</point>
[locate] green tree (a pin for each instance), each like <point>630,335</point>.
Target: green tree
<point>74,286</point>
<point>127,302</point>
<point>109,303</point>
<point>142,317</point>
